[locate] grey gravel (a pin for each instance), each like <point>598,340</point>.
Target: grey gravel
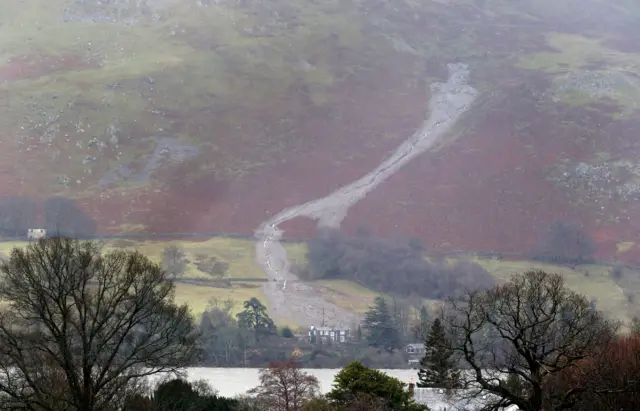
<point>115,11</point>
<point>293,301</point>
<point>601,181</point>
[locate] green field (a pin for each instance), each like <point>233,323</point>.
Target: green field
<point>615,297</point>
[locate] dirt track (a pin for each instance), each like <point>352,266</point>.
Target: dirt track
<point>293,300</point>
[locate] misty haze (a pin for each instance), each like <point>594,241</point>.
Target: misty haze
<point>322,180</point>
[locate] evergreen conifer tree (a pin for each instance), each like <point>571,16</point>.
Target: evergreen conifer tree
<point>436,367</point>
<point>421,329</point>
<point>380,327</point>
<point>424,314</point>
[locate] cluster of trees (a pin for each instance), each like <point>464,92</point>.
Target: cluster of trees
<point>17,215</point>
<point>532,343</point>
<point>285,387</point>
<point>437,367</point>
<point>390,325</point>
<point>566,242</point>
<point>82,330</point>
<point>61,215</point>
<point>382,327</point>
<point>388,266</point>
<point>181,395</point>
<point>175,262</point>
<point>250,338</point>
<point>606,381</point>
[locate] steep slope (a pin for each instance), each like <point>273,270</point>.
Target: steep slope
<point>448,103</point>
<point>180,115</point>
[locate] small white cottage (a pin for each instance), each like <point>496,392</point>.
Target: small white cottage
<point>36,233</point>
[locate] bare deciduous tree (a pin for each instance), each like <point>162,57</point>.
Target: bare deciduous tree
<point>220,312</point>
<point>175,260</point>
<point>285,387</point>
<point>81,329</point>
<point>612,378</point>
<point>532,327</point>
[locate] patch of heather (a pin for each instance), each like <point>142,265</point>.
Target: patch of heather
<point>14,165</point>
<point>488,190</point>
<point>36,65</point>
<point>626,42</point>
<point>338,143</point>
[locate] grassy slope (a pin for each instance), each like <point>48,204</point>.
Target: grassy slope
<point>129,53</point>
<point>226,69</point>
<point>594,281</point>
<point>231,69</point>
<point>573,54</point>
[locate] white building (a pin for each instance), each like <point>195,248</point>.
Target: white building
<point>328,334</point>
<point>415,352</point>
<point>36,233</point>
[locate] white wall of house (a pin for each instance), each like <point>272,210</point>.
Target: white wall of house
<point>36,233</point>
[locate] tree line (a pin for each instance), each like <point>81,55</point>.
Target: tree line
<point>535,344</point>
<point>389,266</point>
<point>566,242</point>
<point>285,387</point>
<point>83,330</point>
<point>395,266</point>
<point>530,342</point>
<point>61,215</point>
<point>250,339</point>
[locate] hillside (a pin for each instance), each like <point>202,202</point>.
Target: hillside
<point>209,116</point>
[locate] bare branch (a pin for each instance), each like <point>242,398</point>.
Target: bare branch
<point>531,328</point>
<point>82,328</point>
<point>285,387</point>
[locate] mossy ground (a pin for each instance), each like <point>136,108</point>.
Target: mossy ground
<point>575,54</point>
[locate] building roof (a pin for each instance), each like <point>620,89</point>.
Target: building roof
<point>416,346</point>
<point>327,328</point>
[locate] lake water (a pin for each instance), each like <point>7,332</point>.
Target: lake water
<point>233,381</point>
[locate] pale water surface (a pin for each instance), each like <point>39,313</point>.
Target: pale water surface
<point>233,381</point>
